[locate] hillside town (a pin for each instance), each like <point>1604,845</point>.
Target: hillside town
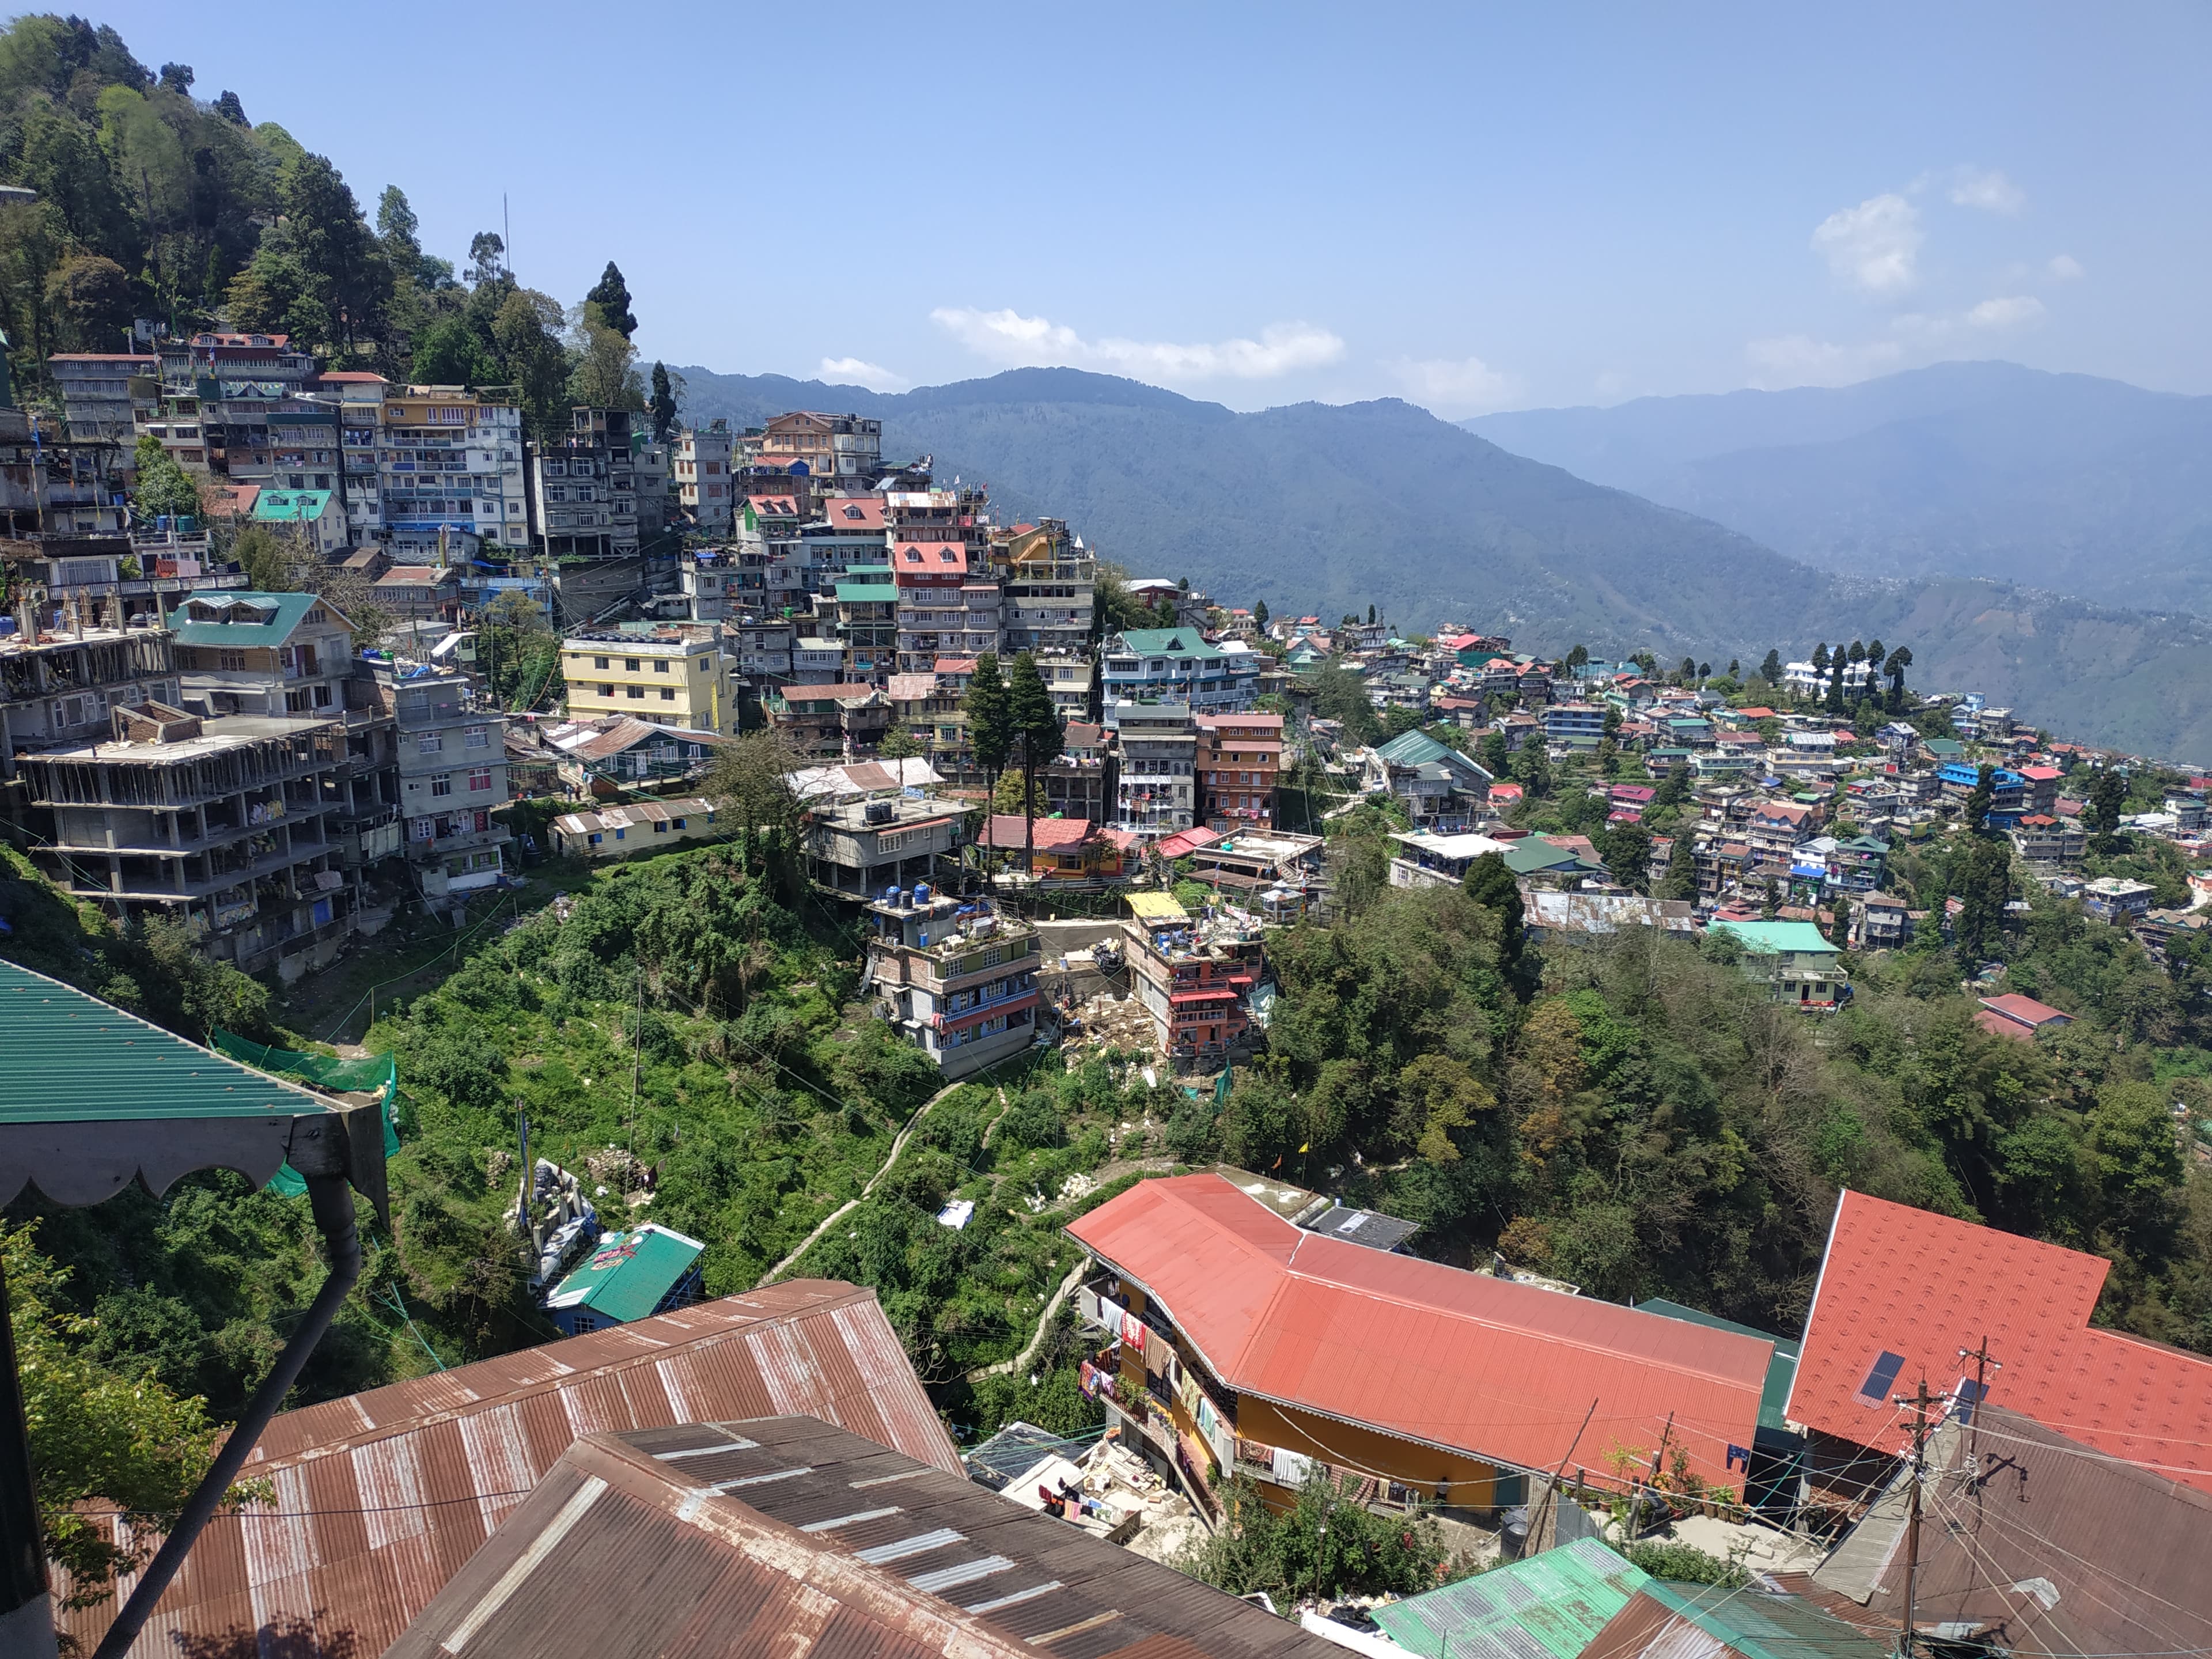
<point>1071,808</point>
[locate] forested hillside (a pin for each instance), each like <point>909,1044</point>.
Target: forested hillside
<point>155,202</point>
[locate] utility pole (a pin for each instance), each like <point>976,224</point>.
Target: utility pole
<point>1920,1402</point>
<point>1982,1365</point>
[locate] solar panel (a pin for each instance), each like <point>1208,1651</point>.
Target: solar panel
<point>1876,1389</point>
<point>1969,1395</point>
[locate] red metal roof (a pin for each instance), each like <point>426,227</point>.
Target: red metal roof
<point>1920,1286</point>
<point>1187,840</point>
<point>1005,830</point>
<point>1500,1370</point>
<point>381,1496</point>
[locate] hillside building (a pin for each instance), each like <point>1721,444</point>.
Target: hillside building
<point>670,676</point>
<point>956,978</point>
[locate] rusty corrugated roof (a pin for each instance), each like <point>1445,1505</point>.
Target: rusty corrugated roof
<point>1903,1292</point>
<point>2045,1545</point>
<point>382,1496</point>
<point>785,1535</point>
<point>1503,1372</point>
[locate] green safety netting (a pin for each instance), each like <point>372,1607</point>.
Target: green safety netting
<point>378,1075</point>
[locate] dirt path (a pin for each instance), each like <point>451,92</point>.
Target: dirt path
<point>1005,1367</point>
<point>898,1146</point>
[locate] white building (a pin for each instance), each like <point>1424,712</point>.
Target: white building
<point>700,477</point>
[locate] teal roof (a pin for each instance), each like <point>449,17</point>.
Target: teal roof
<point>1167,643</point>
<point>256,618</point>
<point>1549,1607</point>
<point>1533,853</point>
<point>91,1098</point>
<point>1765,1624</point>
<point>628,1273</point>
<point>287,505</point>
<point>1946,748</point>
<point>867,593</point>
<point>1414,748</point>
<point>1766,937</point>
<point>1781,1371</point>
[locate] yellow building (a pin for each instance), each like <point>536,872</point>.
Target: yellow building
<point>673,676</point>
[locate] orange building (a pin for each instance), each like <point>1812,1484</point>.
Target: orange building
<point>1238,763</point>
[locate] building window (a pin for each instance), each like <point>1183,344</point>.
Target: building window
<point>636,693</point>
<point>599,662</point>
<point>442,784</point>
<point>480,780</point>
<point>629,665</point>
<point>660,667</point>
<point>429,743</point>
<point>477,737</point>
<point>668,693</point>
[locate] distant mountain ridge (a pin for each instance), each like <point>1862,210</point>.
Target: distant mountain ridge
<point>2067,482</point>
<point>1327,507</point>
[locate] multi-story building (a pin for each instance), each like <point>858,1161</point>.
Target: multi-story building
<point>1050,588</point>
<point>357,399</point>
<point>1073,682</point>
<point>56,689</point>
<point>96,392</point>
<point>221,823</point>
<point>1574,720</point>
<point>1177,662</point>
<point>932,609</point>
<point>764,648</point>
<point>450,469</point>
<point>701,477</point>
<point>1794,957</point>
<point>453,778</point>
<point>676,676</point>
<point>246,653</point>
<point>313,517</point>
<point>1081,783</point>
<point>1194,978</point>
<point>841,446</point>
<point>866,607</point>
<point>1238,759</point>
<point>583,488</point>
<point>866,842</point>
<point>239,380</point>
<point>1153,791</point>
<point>956,978</point>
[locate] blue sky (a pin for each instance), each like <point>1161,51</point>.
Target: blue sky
<point>1475,207</point>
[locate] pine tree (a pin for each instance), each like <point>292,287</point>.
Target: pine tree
<point>1821,658</point>
<point>610,299</point>
<point>664,402</point>
<point>990,720</point>
<point>1770,669</point>
<point>1491,883</point>
<point>1260,614</point>
<point>1980,799</point>
<point>1036,727</point>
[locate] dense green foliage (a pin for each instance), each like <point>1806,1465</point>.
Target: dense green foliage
<point>1324,1545</point>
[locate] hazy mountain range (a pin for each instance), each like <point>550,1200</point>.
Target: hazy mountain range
<point>2059,481</point>
<point>1327,507</point>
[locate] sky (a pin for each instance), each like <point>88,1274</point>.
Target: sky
<point>1475,207</point>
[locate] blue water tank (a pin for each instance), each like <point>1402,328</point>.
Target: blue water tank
<point>920,893</point>
<point>891,897</point>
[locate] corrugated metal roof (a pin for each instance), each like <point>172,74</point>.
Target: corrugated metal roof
<point>1781,1372</point>
<point>381,1496</point>
<point>785,1535</point>
<point>1910,1286</point>
<point>1502,1371</point>
<point>1551,1604</point>
<point>69,1062</point>
<point>283,613</point>
<point>1677,1622</point>
<point>2044,1543</point>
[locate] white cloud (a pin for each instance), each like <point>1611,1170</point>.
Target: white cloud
<point>1986,189</point>
<point>1873,245</point>
<point>1019,342</point>
<point>2013,311</point>
<point>1456,386</point>
<point>2065,268</point>
<point>1799,360</point>
<point>858,371</point>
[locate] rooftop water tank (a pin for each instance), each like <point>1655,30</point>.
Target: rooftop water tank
<point>920,893</point>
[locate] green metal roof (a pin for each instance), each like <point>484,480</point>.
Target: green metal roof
<point>1553,1604</point>
<point>1945,748</point>
<point>628,1274</point>
<point>1533,853</point>
<point>1774,937</point>
<point>1781,1371</point>
<point>1167,643</point>
<point>73,1070</point>
<point>285,611</point>
<point>867,593</point>
<point>1763,1625</point>
<point>288,504</point>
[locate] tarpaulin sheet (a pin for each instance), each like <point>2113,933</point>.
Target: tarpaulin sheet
<point>377,1074</point>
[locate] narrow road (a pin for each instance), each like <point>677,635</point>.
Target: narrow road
<point>898,1146</point>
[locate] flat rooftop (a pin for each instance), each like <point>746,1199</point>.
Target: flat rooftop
<point>223,733</point>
